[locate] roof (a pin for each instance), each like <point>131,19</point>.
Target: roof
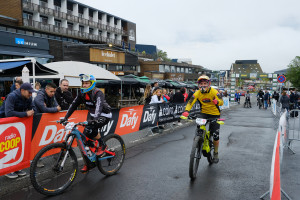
<point>74,68</point>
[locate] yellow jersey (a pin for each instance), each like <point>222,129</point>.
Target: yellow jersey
<point>206,101</point>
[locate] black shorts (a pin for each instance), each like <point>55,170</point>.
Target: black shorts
<point>214,127</point>
<point>92,131</point>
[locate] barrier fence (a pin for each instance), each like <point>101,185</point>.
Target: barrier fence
<point>281,135</point>
<point>22,138</point>
<point>293,123</point>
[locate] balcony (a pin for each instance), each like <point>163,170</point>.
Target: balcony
<point>44,10</point>
<point>67,32</point>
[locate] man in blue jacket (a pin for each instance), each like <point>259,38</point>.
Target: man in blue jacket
<point>19,104</point>
<point>45,101</point>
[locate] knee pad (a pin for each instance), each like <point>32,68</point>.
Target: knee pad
<point>216,135</point>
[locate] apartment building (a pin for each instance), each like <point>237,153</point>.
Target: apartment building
<point>62,20</point>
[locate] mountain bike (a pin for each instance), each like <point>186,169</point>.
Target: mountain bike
<point>202,145</point>
<point>260,102</point>
<point>60,164</point>
<point>247,103</point>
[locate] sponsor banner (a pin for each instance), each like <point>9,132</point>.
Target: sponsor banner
<point>150,116</point>
<point>129,120</point>
<point>15,138</point>
<point>47,131</point>
<point>166,113</point>
<point>112,124</point>
<point>275,188</point>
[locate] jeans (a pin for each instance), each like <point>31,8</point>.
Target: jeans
<point>266,104</point>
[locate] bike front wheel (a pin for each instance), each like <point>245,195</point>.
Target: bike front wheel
<point>110,164</point>
<point>53,169</point>
<point>195,157</point>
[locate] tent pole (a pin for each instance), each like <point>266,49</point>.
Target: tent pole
<point>33,72</point>
<point>121,91</point>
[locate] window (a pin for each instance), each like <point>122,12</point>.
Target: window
<point>27,15</point>
<point>161,68</point>
<point>173,69</point>
<point>13,30</point>
<point>37,34</point>
<point>186,70</point>
<point>129,68</point>
<point>57,23</point>
<point>178,69</point>
<point>91,30</point>
<point>29,33</point>
<point>21,31</point>
<point>182,69</point>
<point>70,26</point>
<point>81,29</point>
<point>44,20</point>
<point>167,68</point>
<point>44,35</point>
<point>100,33</point>
<point>2,28</point>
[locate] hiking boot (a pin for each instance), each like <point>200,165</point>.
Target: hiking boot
<point>216,157</point>
<point>12,175</point>
<point>101,150</point>
<point>21,173</point>
<point>85,169</point>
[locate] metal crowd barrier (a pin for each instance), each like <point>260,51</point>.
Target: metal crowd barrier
<point>293,127</point>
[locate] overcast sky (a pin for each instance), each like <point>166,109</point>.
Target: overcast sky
<point>215,33</point>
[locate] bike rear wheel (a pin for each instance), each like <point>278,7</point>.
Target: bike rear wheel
<point>195,157</point>
<point>53,179</point>
<point>108,164</point>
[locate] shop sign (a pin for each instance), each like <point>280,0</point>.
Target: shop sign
<point>118,73</point>
<point>98,55</point>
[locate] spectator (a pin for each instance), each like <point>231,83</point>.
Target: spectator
<point>37,88</point>
<point>171,93</point>
<point>13,86</point>
<point>237,97</point>
<point>45,101</point>
<point>275,96</point>
<point>191,92</point>
<point>225,93</point>
<point>185,94</point>
<point>63,96</point>
<point>157,96</point>
<point>155,85</point>
<point>147,95</point>
<point>285,101</point>
<point>166,98</point>
<point>178,98</point>
<point>18,84</point>
<point>19,104</point>
<point>266,99</point>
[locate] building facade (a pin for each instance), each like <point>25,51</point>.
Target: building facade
<point>171,70</point>
<point>65,20</point>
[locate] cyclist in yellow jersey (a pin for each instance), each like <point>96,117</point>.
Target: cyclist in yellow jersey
<point>210,100</point>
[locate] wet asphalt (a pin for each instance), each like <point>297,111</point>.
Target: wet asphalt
<point>158,168</point>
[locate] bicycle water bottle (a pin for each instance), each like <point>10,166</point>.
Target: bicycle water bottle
<point>88,151</point>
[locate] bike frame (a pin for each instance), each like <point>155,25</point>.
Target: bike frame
<point>205,127</point>
<point>75,133</point>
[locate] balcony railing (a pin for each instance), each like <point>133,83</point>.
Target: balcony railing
<point>44,10</point>
<point>67,32</point>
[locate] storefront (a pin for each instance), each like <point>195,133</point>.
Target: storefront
<point>13,45</point>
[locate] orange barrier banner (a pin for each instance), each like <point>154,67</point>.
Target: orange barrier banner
<point>47,131</point>
<point>129,120</point>
<point>15,140</point>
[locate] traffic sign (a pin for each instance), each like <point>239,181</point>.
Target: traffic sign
<point>281,79</point>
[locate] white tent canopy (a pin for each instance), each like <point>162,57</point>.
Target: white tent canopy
<point>70,70</point>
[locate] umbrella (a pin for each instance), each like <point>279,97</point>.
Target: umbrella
<point>174,84</point>
<point>144,80</point>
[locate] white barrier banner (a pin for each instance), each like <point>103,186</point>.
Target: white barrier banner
<point>274,106</point>
<point>225,103</point>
